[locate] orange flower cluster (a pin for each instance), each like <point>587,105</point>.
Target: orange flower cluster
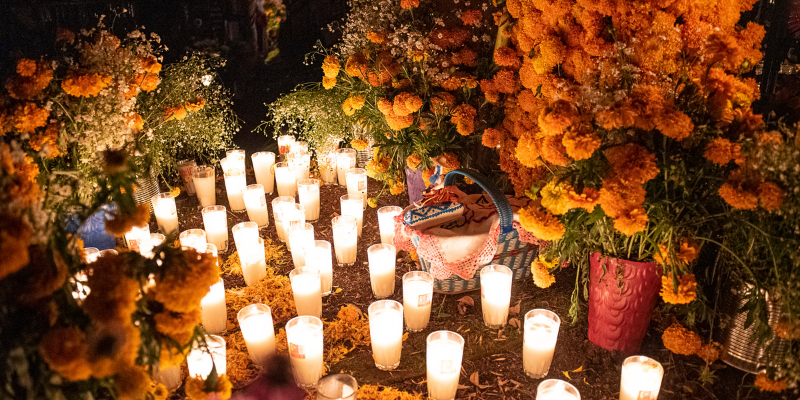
<point>745,193</point>
<point>540,269</point>
<point>409,4</point>
<point>20,187</point>
<point>680,340</point>
<point>413,161</point>
<point>29,116</point>
<point>396,122</point>
<point>686,290</point>
<point>32,77</point>
<point>82,84</point>
<point>194,105</point>
<point>472,17</point>
<point>541,223</point>
<point>764,384</point>
<point>622,194</point>
<point>47,142</point>
<point>721,151</point>
<point>353,104</point>
<point>688,252</point>
<point>175,113</point>
<point>464,118</point>
<point>330,66</point>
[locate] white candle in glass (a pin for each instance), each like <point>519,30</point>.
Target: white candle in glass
<point>318,256</point>
<point>300,162</point>
<point>215,220</point>
<point>277,213</point>
<point>254,262</point>
<point>263,163</point>
<point>211,249</point>
<point>204,183</point>
<point>304,337</point>
<point>185,170</point>
<point>225,165</point>
<point>136,236</point>
<point>298,147</point>
<point>417,298</point>
<point>147,245</point>
<point>236,158</point>
<point>495,294</point>
<point>352,205</point>
<point>386,222</point>
<point>255,321</point>
<point>256,203</point>
<point>345,239</point>
<point>292,213</point>
<point>213,310</point>
<point>235,183</point>
<point>357,183</point>
<point>386,333</point>
<point>202,358</point>
<point>556,389</point>
<point>327,168</point>
<point>166,213</point>
<point>308,194</point>
<point>245,235</point>
<point>285,143</point>
<point>112,252</point>
<point>90,254</point>
<point>444,352</point>
<point>301,237</point>
<point>382,269</point>
<point>540,335</point>
<point>306,287</point>
<point>169,377</point>
<point>337,387</point>
<point>285,179</point>
<point>641,378</point>
<point>345,159</point>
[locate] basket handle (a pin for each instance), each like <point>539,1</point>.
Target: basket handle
<point>499,199</point>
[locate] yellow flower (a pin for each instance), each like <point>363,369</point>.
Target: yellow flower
<point>687,290</point>
<point>28,117</point>
<point>181,287</point>
<point>150,64</point>
<point>175,113</point>
<point>680,340</point>
<point>372,202</point>
<point>413,161</point>
<point>541,223</point>
<point>196,389</point>
<point>330,67</point>
<point>764,384</point>
<point>555,197</point>
<point>353,104</point>
<point>540,269</point>
<point>397,188</point>
<point>175,192</point>
<point>195,105</point>
<point>328,83</point>
<point>86,85</point>
<point>359,144</point>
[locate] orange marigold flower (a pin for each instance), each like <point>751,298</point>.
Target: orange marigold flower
<point>674,124</point>
<point>616,117</point>
<point>328,83</point>
<point>557,117</point>
<point>738,197</point>
<point>196,389</point>
<point>632,163</point>
<point>528,150</point>
<point>680,340</point>
<point>30,116</point>
<point>406,103</point>
<point>359,144</point>
<point>146,82</point>
<point>580,143</point>
<point>554,197</point>
<point>505,81</point>
<point>618,197</point>
<point>15,237</point>
<point>356,65</point>
<point>330,66</point>
<point>150,64</point>
<point>397,188</point>
<point>784,329</point>
<point>86,85</point>
<point>472,17</point>
<point>413,161</point>
<point>553,152</point>
<point>442,102</point>
<point>353,104</point>
<point>723,47</point>
<point>385,106</point>
<point>764,384</point>
<point>47,142</point>
<point>709,352</point>
<point>493,137</point>
<point>374,37</point>
<point>541,223</point>
<point>195,105</point>
<point>688,252</point>
<point>134,121</point>
<point>540,269</point>
<point>426,176</point>
<point>551,52</point>
<point>464,118</point>
<point>770,196</point>
<point>65,352</point>
<point>175,113</point>
<point>119,224</point>
<point>178,326</point>
<point>587,199</point>
<point>398,123</point>
<point>506,57</point>
<point>25,87</point>
<point>448,161</point>
<point>408,4</point>
<point>26,67</point>
<point>631,221</point>
<point>721,151</point>
<point>686,292</point>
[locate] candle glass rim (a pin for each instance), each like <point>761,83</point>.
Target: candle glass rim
<point>644,359</point>
<point>235,151</point>
<point>383,304</point>
<point>188,232</point>
<point>107,251</point>
<point>305,319</point>
<point>412,276</point>
<point>567,386</point>
<point>163,238</point>
<point>381,246</point>
<point>91,250</point>
<point>286,164</point>
<point>351,382</point>
<point>254,187</point>
<point>284,137</point>
<point>215,251</point>
<point>387,209</point>
<point>346,150</point>
<point>499,268</point>
<point>345,219</point>
<point>204,170</point>
<point>352,197</point>
<point>260,154</point>
<point>215,207</point>
<point>234,173</point>
<point>308,182</point>
<point>282,199</point>
<point>544,312</point>
<point>158,196</point>
<point>186,161</point>
<point>354,171</point>
<point>303,270</point>
<point>306,226</point>
<point>445,334</point>
<point>218,341</point>
<point>244,225</point>
<point>253,309</point>
<point>319,241</point>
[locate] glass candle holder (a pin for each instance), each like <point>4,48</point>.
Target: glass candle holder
<point>263,163</point>
<point>203,357</point>
<point>352,205</point>
<point>256,203</point>
<point>90,254</point>
<point>444,352</point>
<point>337,387</point>
<point>109,252</point>
<point>254,262</point>
<point>308,194</point>
<point>277,214</point>
<point>185,170</point>
<point>235,183</point>
<point>556,389</point>
<point>147,245</point>
<point>641,378</point>
<point>386,222</point>
<point>357,183</point>
<point>301,163</point>
<point>285,143</point>
<point>285,179</point>
<point>135,237</point>
<point>386,331</point>
<point>319,256</point>
<point>382,259</point>
<point>345,160</point>
<point>304,337</point>
<point>166,212</point>
<point>211,249</point>
<point>169,377</point>
<point>417,298</point>
<point>306,287</point>
<point>245,235</point>
<point>541,333</point>
<point>345,239</point>
<point>292,213</point>
<point>212,309</point>
<point>215,220</point>
<point>255,321</point>
<point>495,294</point>
<point>236,158</point>
<point>298,147</point>
<point>327,169</point>
<point>301,237</point>
<point>204,183</point>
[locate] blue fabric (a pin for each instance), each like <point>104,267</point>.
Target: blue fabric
<point>93,232</point>
<point>436,214</point>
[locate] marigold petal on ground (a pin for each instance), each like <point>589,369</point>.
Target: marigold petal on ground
<point>764,384</point>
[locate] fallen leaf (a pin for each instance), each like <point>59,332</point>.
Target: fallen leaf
<point>338,290</point>
<point>463,303</point>
<point>579,369</point>
<point>566,373</point>
<point>514,310</point>
<point>514,322</point>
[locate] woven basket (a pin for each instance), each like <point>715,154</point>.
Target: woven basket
<point>511,251</point>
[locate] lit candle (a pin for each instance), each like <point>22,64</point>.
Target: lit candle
<point>256,203</point>
<point>357,183</point>
<point>211,249</point>
<point>345,239</point>
<point>136,236</point>
<point>245,235</point>
<point>386,333</point>
<point>541,333</point>
<point>235,183</point>
<point>203,357</point>
<point>352,205</point>
<point>169,377</point>
<point>166,213</point>
<point>417,297</point>
<point>258,331</point>
<point>277,213</point>
<point>337,387</point>
<point>495,294</point>
<point>327,168</point>
<point>292,213</point>
<point>225,164</point>
<point>112,252</point>
<point>285,179</point>
<point>443,359</point>
<point>308,192</point>
<point>318,256</point>
<point>300,162</point>
<point>147,245</point>
<point>185,170</point>
<point>91,254</point>
<point>386,222</point>
<point>204,183</point>
<point>284,144</point>
<point>236,158</point>
<point>263,162</point>
<point>556,389</point>
<point>304,337</point>
<point>298,147</point>
<point>306,287</point>
<point>345,159</point>
<point>641,378</point>
<point>215,220</point>
<point>381,269</point>
<point>212,309</point>
<point>301,237</point>
<point>254,262</point>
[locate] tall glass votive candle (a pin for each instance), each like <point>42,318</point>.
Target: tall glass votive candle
<point>147,245</point>
<point>306,286</point>
<point>136,236</point>
<point>495,294</point>
<point>235,183</point>
<point>386,331</point>
<point>304,337</point>
<point>185,170</point>
<point>285,179</point>
<point>539,341</point>
<point>357,183</point>
<point>225,165</point>
<point>292,213</point>
<point>194,238</point>
<point>256,203</point>
<point>301,237</point>
<point>255,321</point>
<point>308,194</point>
<point>204,183</point>
<point>278,204</point>
<point>641,378</point>
<point>166,213</point>
<point>352,205</point>
<point>212,309</point>
<point>245,235</point>
<point>337,387</point>
<point>417,298</point>
<point>382,259</point>
<point>556,389</point>
<point>169,377</point>
<point>345,239</point>
<point>254,262</point>
<point>90,254</point>
<point>211,249</point>
<point>386,222</point>
<point>263,162</point>
<point>215,220</point>
<point>236,158</point>
<point>327,169</point>
<point>285,144</point>
<point>319,256</point>
<point>345,160</point>
<point>298,147</point>
<point>203,357</point>
<point>444,352</point>
<point>301,163</point>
